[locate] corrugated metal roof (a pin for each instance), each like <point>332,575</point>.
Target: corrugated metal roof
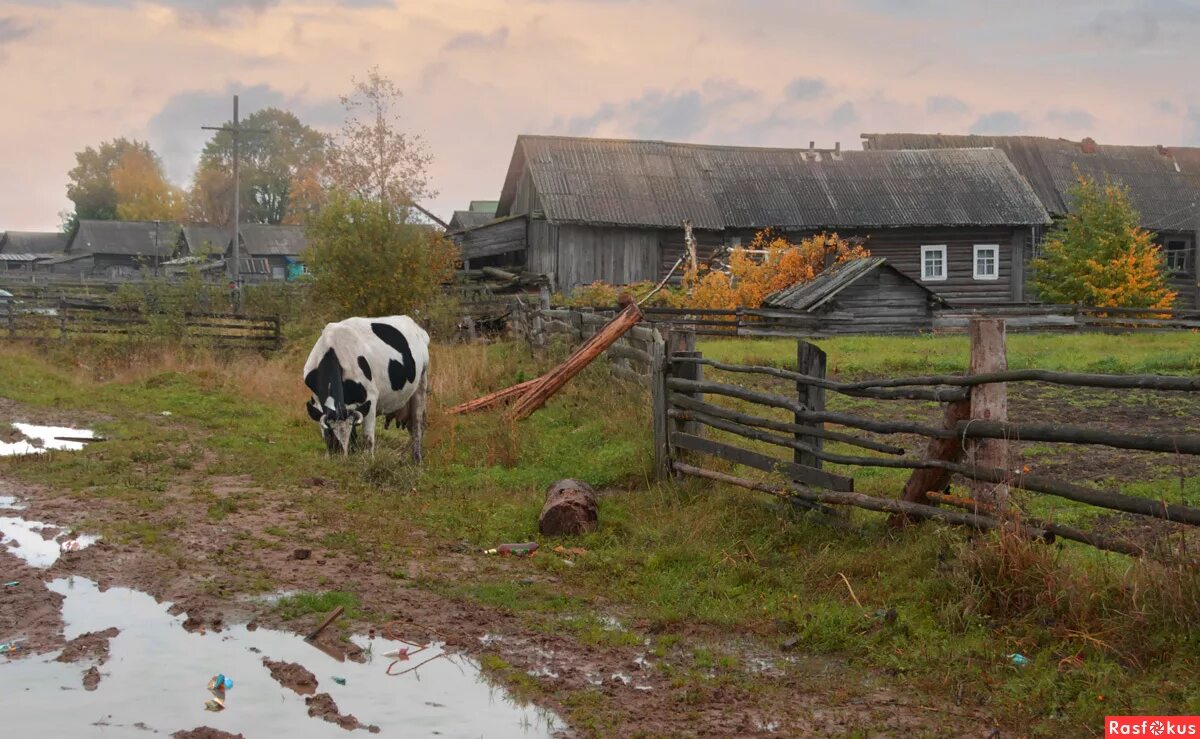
<point>265,240</point>
<point>1164,183</point>
<point>484,206</point>
<point>659,184</point>
<point>33,242</point>
<point>809,296</point>
<point>125,237</point>
<point>22,257</point>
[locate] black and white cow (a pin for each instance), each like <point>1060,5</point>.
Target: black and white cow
<point>364,368</point>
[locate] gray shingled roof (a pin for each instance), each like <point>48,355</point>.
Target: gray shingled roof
<point>206,239</point>
<point>33,242</point>
<point>1164,183</point>
<point>809,296</point>
<point>130,238</point>
<point>659,184</point>
<point>264,240</point>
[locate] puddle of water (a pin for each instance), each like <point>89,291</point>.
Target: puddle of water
<point>157,674</point>
<point>46,438</point>
<point>9,502</point>
<point>24,539</point>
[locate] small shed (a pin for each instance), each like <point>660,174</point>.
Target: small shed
<point>71,265</point>
<point>862,296</point>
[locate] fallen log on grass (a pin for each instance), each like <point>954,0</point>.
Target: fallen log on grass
<point>491,399</point>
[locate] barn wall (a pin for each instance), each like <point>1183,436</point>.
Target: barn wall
<point>673,248</point>
<point>501,237</point>
<point>526,200</point>
<point>542,251</point>
<point>614,255</point>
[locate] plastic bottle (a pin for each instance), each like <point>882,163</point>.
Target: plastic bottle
<point>516,550</point>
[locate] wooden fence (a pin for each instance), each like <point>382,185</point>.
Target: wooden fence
<point>971,441</point>
<point>65,319</point>
<point>632,356</point>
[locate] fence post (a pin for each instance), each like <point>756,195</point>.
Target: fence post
<point>989,403</point>
<point>683,344</point>
<point>62,319</point>
<point>810,360</point>
<point>658,397</point>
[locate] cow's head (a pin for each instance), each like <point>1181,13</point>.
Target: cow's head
<point>339,432</point>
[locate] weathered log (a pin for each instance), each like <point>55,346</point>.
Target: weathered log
<point>946,448</point>
<point>1116,382</point>
<point>552,381</point>
<point>570,509</point>
<point>860,500</point>
<point>684,401</point>
<point>491,399</point>
<point>1176,444</point>
<point>936,394</point>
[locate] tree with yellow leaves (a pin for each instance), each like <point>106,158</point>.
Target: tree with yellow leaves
<point>1099,255</point>
<point>769,263</point>
<point>143,192</point>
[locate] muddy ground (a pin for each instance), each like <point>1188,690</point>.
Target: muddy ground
<point>205,570</point>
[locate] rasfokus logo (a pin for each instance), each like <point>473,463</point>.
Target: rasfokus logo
<point>1165,726</point>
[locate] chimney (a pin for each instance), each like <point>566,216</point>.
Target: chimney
<point>837,149</point>
<point>1088,145</point>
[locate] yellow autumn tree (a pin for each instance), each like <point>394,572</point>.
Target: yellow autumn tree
<point>768,264</point>
<point>1098,255</point>
<point>143,192</point>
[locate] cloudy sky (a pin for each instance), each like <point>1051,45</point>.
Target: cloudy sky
<point>478,72</point>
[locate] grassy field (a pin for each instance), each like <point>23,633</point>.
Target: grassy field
<point>702,568</point>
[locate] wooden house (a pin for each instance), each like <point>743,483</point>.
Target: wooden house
<point>1163,183</point>
<point>862,296</point>
<point>276,247</point>
<point>581,210</point>
<point>123,248</point>
<point>21,250</point>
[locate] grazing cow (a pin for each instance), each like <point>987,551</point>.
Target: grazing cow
<point>364,368</point>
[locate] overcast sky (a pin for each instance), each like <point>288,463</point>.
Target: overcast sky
<point>478,72</point>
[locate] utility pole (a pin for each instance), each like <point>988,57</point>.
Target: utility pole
<point>235,272</point>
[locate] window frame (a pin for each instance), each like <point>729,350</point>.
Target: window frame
<point>935,249</point>
<point>1184,252</point>
<point>995,248</point>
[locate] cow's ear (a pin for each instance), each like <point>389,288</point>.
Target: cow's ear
<point>313,411</point>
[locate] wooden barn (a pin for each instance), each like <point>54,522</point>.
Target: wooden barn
<point>581,210</point>
<point>20,251</point>
<point>1164,185</point>
<point>863,296</point>
<point>124,248</point>
<point>477,213</point>
<point>278,247</point>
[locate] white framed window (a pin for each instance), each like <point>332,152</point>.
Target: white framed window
<point>933,263</point>
<point>987,261</point>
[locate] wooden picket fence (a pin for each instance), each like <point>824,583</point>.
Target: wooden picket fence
<point>971,442</point>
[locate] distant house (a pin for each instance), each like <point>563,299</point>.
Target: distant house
<point>865,296</point>
<point>478,213</point>
<point>271,252</point>
<point>124,248</point>
<point>21,250</point>
<point>1164,184</point>
<point>582,210</point>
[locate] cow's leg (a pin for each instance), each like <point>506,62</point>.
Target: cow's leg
<point>416,415</point>
<point>368,425</point>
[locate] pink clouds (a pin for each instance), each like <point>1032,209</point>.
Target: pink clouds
<point>478,72</point>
